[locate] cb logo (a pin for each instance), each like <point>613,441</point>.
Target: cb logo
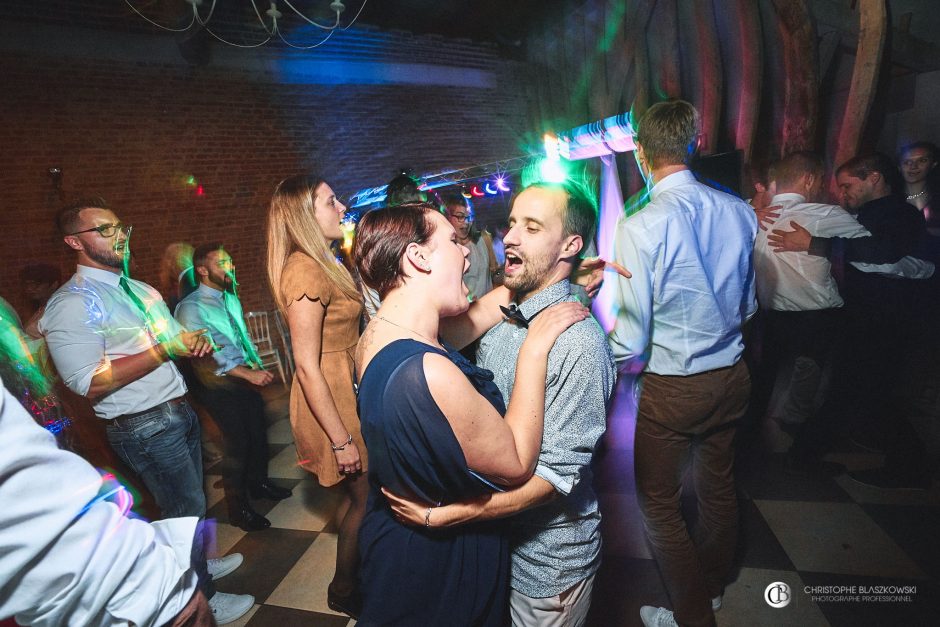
<point>777,595</point>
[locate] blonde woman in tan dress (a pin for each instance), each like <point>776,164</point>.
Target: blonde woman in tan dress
<point>323,306</point>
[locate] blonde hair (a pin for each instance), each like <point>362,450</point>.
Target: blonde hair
<point>293,227</point>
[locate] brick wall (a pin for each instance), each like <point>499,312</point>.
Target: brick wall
<point>133,131</point>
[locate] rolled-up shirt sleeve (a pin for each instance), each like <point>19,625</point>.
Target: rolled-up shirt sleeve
<point>73,331</point>
<point>577,396</point>
<point>630,337</point>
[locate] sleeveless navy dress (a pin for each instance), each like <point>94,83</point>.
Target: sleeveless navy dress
<point>413,576</point>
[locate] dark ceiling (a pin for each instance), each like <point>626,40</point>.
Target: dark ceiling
<point>503,22</point>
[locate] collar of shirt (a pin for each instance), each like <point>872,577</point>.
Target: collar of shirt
<point>682,177</point>
<point>556,292</point>
<point>787,197</point>
<point>105,276</point>
<point>207,290</point>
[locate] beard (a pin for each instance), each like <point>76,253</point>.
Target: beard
<point>535,270</point>
<point>106,257</point>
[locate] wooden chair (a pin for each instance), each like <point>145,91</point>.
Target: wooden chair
<point>260,333</point>
<point>284,331</point>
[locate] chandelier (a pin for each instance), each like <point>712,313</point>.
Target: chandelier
<point>269,23</point>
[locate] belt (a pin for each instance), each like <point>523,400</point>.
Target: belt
<point>173,401</point>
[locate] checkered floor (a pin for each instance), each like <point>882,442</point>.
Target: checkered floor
<point>804,532</point>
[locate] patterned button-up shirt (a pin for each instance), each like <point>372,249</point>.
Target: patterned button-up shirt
<point>558,544</point>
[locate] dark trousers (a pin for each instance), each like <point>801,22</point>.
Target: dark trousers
<point>788,336</point>
<point>881,343</point>
<point>238,410</point>
<point>690,422</point>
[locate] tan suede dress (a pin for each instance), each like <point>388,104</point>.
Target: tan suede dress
<point>303,278</point>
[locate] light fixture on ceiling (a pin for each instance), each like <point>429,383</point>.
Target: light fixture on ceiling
<point>273,15</point>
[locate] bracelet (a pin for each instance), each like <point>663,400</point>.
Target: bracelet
<point>427,519</point>
<point>343,445</point>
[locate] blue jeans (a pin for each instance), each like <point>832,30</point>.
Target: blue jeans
<point>163,447</point>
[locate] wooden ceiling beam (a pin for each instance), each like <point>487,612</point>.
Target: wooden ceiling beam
<point>906,50</point>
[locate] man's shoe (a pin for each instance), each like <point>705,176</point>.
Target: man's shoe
<point>268,490</point>
<point>223,566</point>
<point>657,617</point>
<point>227,608</point>
<point>716,603</point>
<point>883,479</point>
<point>248,519</point>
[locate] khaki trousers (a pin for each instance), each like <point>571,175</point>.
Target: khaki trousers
<point>568,609</point>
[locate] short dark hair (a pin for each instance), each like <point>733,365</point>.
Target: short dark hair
<point>788,171</point>
<point>930,147</point>
<point>41,273</point>
<point>863,165</point>
<point>202,252</point>
<point>381,239</point>
<point>454,199</point>
<point>67,218</point>
<point>402,189</point>
<point>580,208</point>
<point>668,132</point>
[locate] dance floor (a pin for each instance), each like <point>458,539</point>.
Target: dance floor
<point>800,531</point>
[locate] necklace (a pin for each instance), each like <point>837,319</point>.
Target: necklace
<point>917,195</point>
<point>401,326</point>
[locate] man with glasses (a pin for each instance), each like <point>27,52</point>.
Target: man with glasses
<point>113,340</point>
<point>227,385</point>
<point>483,264</point>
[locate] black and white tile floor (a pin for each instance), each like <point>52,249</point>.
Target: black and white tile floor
<point>800,531</point>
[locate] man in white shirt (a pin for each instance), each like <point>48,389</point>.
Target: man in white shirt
<point>483,264</point>
<point>797,291</point>
<point>55,527</point>
<point>679,323</point>
<point>112,339</point>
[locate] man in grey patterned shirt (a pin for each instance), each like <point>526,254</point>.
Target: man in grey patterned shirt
<point>555,531</point>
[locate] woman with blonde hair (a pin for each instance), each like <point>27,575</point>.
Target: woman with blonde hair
<point>323,306</point>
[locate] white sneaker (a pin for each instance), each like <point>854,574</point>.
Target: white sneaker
<point>223,566</point>
<point>227,608</point>
<point>716,603</point>
<point>657,617</point>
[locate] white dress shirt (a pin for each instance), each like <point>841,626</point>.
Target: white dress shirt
<point>90,320</point>
<point>689,251</point>
<point>477,277</point>
<point>70,558</point>
<point>798,281</point>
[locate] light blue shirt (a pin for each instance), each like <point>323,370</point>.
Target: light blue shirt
<point>558,544</point>
<point>90,321</point>
<point>205,309</point>
<point>689,251</point>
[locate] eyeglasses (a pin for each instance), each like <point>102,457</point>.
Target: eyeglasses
<point>106,230</point>
<point>910,163</point>
<point>462,217</point>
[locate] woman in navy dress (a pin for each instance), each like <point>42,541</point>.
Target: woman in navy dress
<point>436,426</point>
